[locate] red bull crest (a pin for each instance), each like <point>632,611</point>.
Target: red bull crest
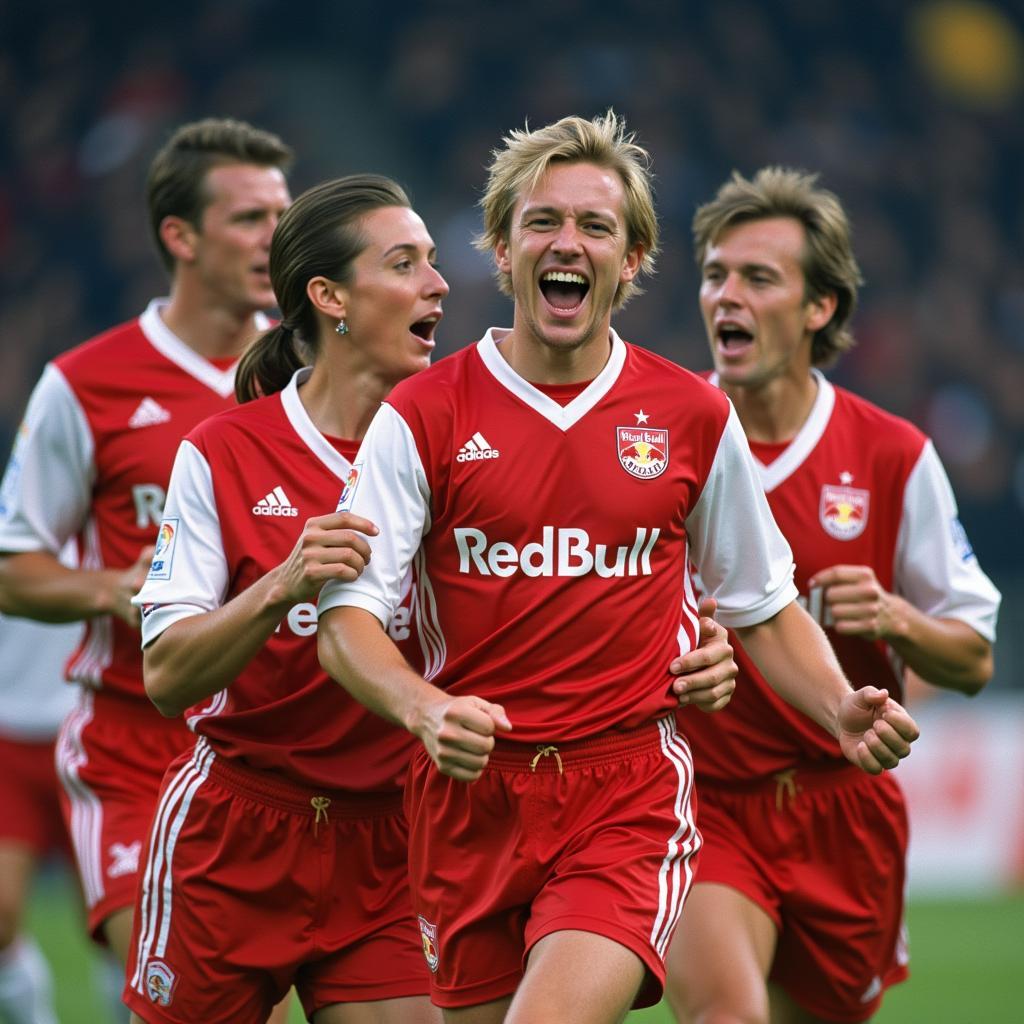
<point>643,451</point>
<point>428,933</point>
<point>844,511</point>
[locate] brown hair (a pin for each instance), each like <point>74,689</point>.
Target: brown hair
<point>526,155</point>
<point>828,262</point>
<point>176,183</point>
<point>319,235</point>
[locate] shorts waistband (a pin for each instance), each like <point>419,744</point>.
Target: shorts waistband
<point>287,796</point>
<point>560,757</point>
<point>810,777</point>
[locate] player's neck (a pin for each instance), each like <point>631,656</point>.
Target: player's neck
<point>774,411</point>
<point>212,331</point>
<point>542,363</point>
<point>340,402</point>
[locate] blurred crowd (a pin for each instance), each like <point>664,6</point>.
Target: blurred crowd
<point>911,112</point>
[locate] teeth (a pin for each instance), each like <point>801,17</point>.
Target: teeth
<point>564,277</point>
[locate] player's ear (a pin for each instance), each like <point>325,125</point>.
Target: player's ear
<point>820,310</point>
<point>501,260</point>
<point>179,237</point>
<point>327,296</point>
<point>631,263</point>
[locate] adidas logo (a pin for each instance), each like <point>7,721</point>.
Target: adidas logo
<point>148,414</point>
<point>276,503</point>
<point>476,448</point>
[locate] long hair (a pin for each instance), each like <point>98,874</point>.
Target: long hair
<point>319,235</point>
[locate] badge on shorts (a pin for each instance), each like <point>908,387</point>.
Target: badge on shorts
<point>428,933</point>
<point>160,982</point>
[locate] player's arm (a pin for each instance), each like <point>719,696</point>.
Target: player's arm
<point>942,620</point>
<point>200,654</point>
<point>45,499</point>
<point>793,654</point>
<point>457,732</point>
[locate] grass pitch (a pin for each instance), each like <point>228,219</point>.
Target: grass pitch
<point>967,961</point>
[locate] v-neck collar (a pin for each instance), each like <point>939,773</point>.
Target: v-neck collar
<point>806,439</point>
<point>306,429</point>
<point>562,416</point>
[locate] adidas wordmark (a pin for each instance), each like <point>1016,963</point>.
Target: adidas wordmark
<point>276,503</point>
<point>476,448</point>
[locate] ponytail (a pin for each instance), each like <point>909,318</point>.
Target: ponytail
<point>268,364</point>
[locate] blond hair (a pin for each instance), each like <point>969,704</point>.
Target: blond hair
<point>828,262</point>
<point>526,155</point>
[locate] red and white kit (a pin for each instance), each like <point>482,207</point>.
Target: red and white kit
<point>91,461</point>
<point>550,547</point>
<point>856,486</point>
<point>292,785</point>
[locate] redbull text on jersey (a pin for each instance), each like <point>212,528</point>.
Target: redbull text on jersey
<point>561,551</point>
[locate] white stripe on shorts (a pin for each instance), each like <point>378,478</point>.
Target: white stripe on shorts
<point>155,900</point>
<point>86,826</point>
<point>676,874</point>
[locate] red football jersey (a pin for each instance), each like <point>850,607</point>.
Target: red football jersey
<point>243,486</point>
<point>550,542</point>
<point>92,460</point>
<point>856,486</point>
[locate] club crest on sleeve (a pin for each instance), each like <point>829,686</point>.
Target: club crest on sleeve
<point>428,933</point>
<point>843,511</point>
<point>348,492</point>
<point>160,982</point>
<point>643,451</point>
<point>163,556</point>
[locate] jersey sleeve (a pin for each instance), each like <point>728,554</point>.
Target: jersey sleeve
<point>390,489</point>
<point>189,572</point>
<point>47,486</point>
<point>936,568</point>
<point>743,559</point>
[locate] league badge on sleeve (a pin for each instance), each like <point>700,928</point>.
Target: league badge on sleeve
<point>843,510</point>
<point>643,451</point>
<point>348,492</point>
<point>163,556</point>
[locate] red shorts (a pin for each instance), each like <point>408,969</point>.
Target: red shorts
<point>112,753</point>
<point>249,889</point>
<point>29,801</point>
<point>597,836</point>
<point>823,852</point>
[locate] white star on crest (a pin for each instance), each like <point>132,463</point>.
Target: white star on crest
<point>846,478</point>
<point>641,417</point>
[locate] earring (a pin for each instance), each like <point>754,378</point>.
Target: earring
<point>342,327</point>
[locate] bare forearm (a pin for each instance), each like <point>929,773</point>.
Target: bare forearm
<point>794,655</point>
<point>35,585</point>
<point>197,656</point>
<point>944,652</point>
<point>357,653</point>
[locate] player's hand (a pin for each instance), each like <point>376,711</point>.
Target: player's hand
<point>707,674</point>
<point>875,732</point>
<point>129,583</point>
<point>458,733</point>
<point>331,547</point>
<point>858,604</point>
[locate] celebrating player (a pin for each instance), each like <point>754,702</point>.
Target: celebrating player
<point>797,910</point>
<point>278,851</point>
<point>92,460</point>
<point>549,485</point>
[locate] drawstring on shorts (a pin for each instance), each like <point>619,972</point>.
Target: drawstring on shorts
<point>320,805</point>
<point>546,751</point>
<point>786,785</point>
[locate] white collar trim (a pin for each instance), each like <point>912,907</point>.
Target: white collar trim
<point>562,416</point>
<point>306,429</point>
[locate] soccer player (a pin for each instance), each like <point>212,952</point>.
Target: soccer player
<point>33,702</point>
<point>549,485</point>
<point>92,461</point>
<point>796,914</point>
<point>278,851</point>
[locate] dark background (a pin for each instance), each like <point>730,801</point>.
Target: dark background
<point>912,112</point>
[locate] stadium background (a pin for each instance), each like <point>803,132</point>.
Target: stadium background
<point>912,112</point>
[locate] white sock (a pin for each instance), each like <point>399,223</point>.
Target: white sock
<point>26,984</point>
<point>109,977</point>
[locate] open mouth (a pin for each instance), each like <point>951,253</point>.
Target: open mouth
<point>425,328</point>
<point>730,337</point>
<point>564,289</point>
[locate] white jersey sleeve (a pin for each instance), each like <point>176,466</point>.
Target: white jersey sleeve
<point>936,569</point>
<point>47,487</point>
<point>390,489</point>
<point>189,573</point>
<point>744,561</point>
